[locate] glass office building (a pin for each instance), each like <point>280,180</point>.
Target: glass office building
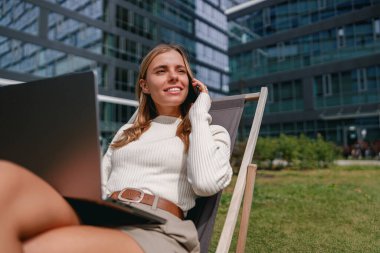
<point>321,62</point>
<point>45,38</point>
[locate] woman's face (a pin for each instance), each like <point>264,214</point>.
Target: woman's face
<point>167,82</point>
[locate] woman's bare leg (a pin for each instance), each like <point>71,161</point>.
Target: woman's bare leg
<point>28,206</point>
<point>82,239</point>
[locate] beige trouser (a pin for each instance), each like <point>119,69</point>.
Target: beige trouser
<point>175,235</point>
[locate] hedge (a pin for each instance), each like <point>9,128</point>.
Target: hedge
<point>288,151</point>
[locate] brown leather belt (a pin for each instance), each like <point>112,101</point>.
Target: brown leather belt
<point>132,195</point>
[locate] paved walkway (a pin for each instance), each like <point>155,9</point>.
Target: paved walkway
<point>357,162</point>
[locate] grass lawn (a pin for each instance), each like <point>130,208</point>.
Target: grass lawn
<point>332,210</point>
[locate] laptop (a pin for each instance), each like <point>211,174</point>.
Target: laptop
<point>51,127</point>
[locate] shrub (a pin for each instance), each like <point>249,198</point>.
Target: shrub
<point>289,151</point>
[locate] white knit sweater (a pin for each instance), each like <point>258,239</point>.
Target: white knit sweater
<point>157,164</point>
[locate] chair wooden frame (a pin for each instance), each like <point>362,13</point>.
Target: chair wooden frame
<point>245,182</point>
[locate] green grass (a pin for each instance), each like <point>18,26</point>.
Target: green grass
<point>330,210</point>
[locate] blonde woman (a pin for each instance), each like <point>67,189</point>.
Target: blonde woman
<point>168,157</point>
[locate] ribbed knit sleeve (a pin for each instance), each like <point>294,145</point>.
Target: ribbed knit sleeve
<point>107,161</point>
<point>208,166</point>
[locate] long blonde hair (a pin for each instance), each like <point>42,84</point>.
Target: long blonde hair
<point>147,109</point>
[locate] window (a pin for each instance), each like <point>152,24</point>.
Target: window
<point>287,91</point>
<point>326,85</point>
<point>280,52</point>
<point>376,29</point>
<point>146,25</point>
<point>363,33</point>
<point>225,82</point>
<point>371,78</point>
<point>255,61</point>
<point>266,17</point>
<point>215,37</point>
<point>130,18</point>
<point>361,75</point>
<point>341,41</point>
<point>322,4</point>
<point>270,93</point>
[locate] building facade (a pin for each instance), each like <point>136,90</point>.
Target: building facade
<point>45,38</point>
<point>321,62</point>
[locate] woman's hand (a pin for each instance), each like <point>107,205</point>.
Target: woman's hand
<point>201,86</point>
<point>200,108</point>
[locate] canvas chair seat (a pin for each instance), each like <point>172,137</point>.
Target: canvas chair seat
<point>227,112</point>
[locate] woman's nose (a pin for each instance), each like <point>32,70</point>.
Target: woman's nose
<point>173,75</point>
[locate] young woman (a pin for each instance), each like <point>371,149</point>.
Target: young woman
<point>163,161</point>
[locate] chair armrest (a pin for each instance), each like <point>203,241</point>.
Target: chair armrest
<point>233,211</point>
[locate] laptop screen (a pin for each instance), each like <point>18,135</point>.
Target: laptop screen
<point>50,126</point>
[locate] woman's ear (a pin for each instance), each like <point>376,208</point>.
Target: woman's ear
<point>144,86</point>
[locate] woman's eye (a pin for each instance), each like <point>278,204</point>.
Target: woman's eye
<point>160,71</point>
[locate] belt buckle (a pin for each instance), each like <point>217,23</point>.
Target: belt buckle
<point>120,197</point>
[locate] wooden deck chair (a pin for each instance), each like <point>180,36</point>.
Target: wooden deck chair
<point>227,111</point>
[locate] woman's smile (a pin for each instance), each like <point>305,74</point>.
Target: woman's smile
<point>173,90</point>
